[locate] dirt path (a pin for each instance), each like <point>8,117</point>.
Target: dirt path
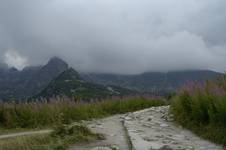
<point>24,133</point>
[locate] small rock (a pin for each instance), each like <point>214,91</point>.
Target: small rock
<point>190,148</point>
<point>114,147</point>
<point>159,136</point>
<point>99,124</point>
<point>166,147</point>
<point>147,125</point>
<point>187,138</point>
<point>149,139</point>
<point>175,143</point>
<point>170,119</point>
<point>164,125</point>
<point>128,118</point>
<point>150,119</point>
<point>166,141</point>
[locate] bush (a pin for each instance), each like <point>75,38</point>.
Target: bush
<point>202,108</point>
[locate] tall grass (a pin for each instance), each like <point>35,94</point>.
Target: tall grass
<point>42,114</point>
<point>202,108</point>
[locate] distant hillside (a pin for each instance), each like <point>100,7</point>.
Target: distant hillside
<point>70,84</point>
<point>152,81</point>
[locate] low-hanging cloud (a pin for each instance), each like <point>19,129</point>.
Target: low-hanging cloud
<point>116,36</point>
<point>13,59</point>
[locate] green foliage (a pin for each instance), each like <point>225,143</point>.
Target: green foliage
<point>202,108</point>
<point>42,114</point>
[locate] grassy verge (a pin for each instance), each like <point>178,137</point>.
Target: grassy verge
<point>39,115</point>
<point>202,108</point>
<point>60,139</point>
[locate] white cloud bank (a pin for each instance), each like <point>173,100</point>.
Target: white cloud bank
<point>117,36</point>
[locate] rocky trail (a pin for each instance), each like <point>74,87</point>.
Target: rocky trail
<point>149,129</point>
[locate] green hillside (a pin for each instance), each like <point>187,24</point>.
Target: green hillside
<point>70,84</point>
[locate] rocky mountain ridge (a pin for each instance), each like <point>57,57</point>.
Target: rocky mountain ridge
<point>17,85</point>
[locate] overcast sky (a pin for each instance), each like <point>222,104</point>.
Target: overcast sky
<point>115,36</point>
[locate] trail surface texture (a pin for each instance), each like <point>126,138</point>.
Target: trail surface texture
<point>154,129</point>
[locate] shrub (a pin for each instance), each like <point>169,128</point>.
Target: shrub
<point>202,108</point>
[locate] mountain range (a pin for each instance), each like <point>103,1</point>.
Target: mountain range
<point>57,78</point>
<point>153,82</point>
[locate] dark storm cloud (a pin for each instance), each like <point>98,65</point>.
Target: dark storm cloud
<point>120,36</point>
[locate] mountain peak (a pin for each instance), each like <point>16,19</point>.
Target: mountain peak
<point>56,63</point>
<point>56,60</point>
